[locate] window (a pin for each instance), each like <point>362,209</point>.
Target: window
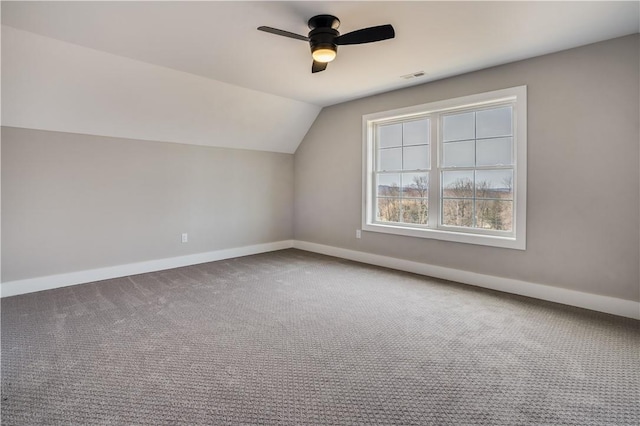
<point>451,170</point>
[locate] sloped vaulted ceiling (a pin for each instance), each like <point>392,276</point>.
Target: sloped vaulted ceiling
<point>200,73</point>
<point>52,85</point>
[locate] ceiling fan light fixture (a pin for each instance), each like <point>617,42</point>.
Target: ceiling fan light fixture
<point>324,38</point>
<point>324,54</point>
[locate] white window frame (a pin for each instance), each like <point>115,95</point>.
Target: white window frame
<point>515,239</point>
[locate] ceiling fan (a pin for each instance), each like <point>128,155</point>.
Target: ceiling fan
<point>324,38</point>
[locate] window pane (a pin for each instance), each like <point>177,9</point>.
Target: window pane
<point>457,184</point>
<point>494,214</point>
<point>390,159</point>
<point>494,184</point>
<point>415,132</point>
<point>415,157</point>
<point>494,152</point>
<point>388,209</point>
<point>415,210</point>
<point>389,184</point>
<point>458,127</point>
<point>457,212</point>
<point>415,185</point>
<point>390,135</point>
<point>493,122</point>
<point>458,154</point>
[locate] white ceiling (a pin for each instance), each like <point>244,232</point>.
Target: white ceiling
<point>219,40</point>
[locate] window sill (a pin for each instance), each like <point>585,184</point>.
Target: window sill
<point>454,236</point>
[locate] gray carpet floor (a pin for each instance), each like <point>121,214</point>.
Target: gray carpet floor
<point>296,338</point>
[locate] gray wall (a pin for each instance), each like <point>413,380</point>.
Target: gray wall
<point>583,173</point>
<point>75,202</point>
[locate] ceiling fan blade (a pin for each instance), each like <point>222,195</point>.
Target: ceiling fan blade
<point>283,33</point>
<point>367,35</point>
<point>318,66</point>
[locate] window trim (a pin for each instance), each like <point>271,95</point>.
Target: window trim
<point>516,96</point>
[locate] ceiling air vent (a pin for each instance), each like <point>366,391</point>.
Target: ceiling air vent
<point>413,75</point>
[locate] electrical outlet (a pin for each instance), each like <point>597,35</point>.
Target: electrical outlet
<point>185,238</point>
<point>358,233</point>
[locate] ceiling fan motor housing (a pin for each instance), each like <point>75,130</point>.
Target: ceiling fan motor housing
<point>324,30</point>
<point>323,38</point>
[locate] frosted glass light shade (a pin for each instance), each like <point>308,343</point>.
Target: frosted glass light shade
<point>323,55</point>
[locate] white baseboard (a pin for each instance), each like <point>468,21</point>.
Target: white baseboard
<point>610,305</point>
<point>13,288</point>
